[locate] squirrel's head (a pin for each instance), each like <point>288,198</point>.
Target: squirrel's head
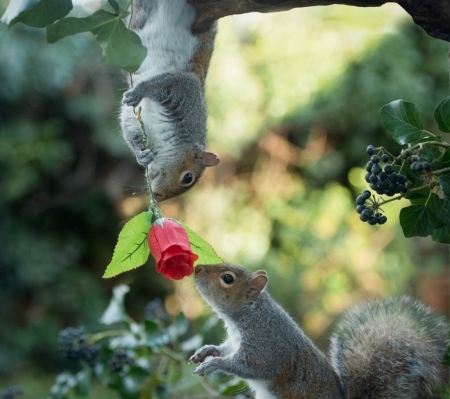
<point>228,288</point>
<point>173,174</point>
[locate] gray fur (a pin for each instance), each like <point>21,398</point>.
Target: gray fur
<point>181,96</point>
<point>390,349</point>
<point>168,89</point>
<point>386,349</point>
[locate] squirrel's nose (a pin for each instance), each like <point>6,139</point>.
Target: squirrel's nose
<point>198,269</point>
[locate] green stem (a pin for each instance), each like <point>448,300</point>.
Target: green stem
<point>431,134</point>
<point>403,195</point>
<point>429,196</point>
<point>437,172</point>
<point>401,167</point>
<point>436,143</point>
<point>105,334</point>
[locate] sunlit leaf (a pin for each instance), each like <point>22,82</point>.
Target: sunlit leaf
<point>132,248</point>
<point>402,120</point>
<point>205,252</point>
<point>36,13</point>
<point>121,47</point>
<point>115,312</point>
<point>442,115</point>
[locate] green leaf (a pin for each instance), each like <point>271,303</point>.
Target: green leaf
<point>115,312</point>
<point>114,5</point>
<point>418,220</point>
<point>121,46</point>
<point>402,120</point>
<point>442,235</point>
<point>36,13</point>
<point>205,252</point>
<point>132,248</point>
<point>442,115</point>
<point>444,184</point>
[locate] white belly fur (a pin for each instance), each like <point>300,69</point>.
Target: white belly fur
<point>168,39</point>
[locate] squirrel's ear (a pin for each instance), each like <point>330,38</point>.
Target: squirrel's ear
<point>263,272</point>
<point>210,159</point>
<point>256,285</point>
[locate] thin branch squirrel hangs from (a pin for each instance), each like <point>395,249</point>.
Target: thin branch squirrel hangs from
<point>385,349</point>
<point>169,88</point>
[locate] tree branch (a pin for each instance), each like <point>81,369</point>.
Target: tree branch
<point>432,15</point>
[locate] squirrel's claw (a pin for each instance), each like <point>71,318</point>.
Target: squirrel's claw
<point>131,98</point>
<point>145,157</point>
<point>203,353</point>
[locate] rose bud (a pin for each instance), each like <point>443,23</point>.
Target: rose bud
<point>170,246</point>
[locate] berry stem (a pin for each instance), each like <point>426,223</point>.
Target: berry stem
<point>438,172</point>
<point>105,334</point>
<point>436,143</point>
<point>402,195</point>
<point>387,152</point>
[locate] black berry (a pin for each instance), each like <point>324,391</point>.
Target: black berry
<point>370,149</point>
<point>119,360</point>
<point>73,345</point>
<point>388,169</point>
<point>375,158</point>
<point>360,208</point>
<point>369,166</point>
<point>385,158</point>
<point>376,168</point>
<point>365,194</point>
<point>360,200</point>
<point>373,220</point>
<point>11,392</point>
<point>382,219</point>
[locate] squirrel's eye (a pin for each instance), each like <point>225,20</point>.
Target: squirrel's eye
<point>228,279</point>
<point>187,179</point>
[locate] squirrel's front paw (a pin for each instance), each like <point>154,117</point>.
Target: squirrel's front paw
<point>208,366</point>
<point>145,157</point>
<point>131,98</point>
<point>203,353</point>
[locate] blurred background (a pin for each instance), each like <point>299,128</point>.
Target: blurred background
<point>293,101</point>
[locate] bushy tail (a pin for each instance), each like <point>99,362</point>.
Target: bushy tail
<point>390,348</point>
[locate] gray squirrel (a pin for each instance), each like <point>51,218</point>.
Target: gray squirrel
<point>385,349</point>
<point>169,88</point>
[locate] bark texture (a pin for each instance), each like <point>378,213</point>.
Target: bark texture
<point>432,15</point>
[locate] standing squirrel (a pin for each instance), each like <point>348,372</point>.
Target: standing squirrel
<point>389,349</point>
<point>169,88</point>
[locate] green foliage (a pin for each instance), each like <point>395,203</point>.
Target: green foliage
<point>442,115</point>
<point>402,120</point>
<point>206,253</point>
<point>142,360</point>
<point>36,13</point>
<point>132,248</point>
<point>425,162</point>
<point>121,47</point>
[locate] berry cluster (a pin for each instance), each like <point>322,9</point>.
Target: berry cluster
<point>367,213</point>
<point>383,180</point>
<point>155,311</point>
<point>73,345</point>
<point>11,392</point>
<point>119,360</point>
<point>419,166</point>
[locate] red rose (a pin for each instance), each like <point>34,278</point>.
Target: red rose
<point>169,245</point>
